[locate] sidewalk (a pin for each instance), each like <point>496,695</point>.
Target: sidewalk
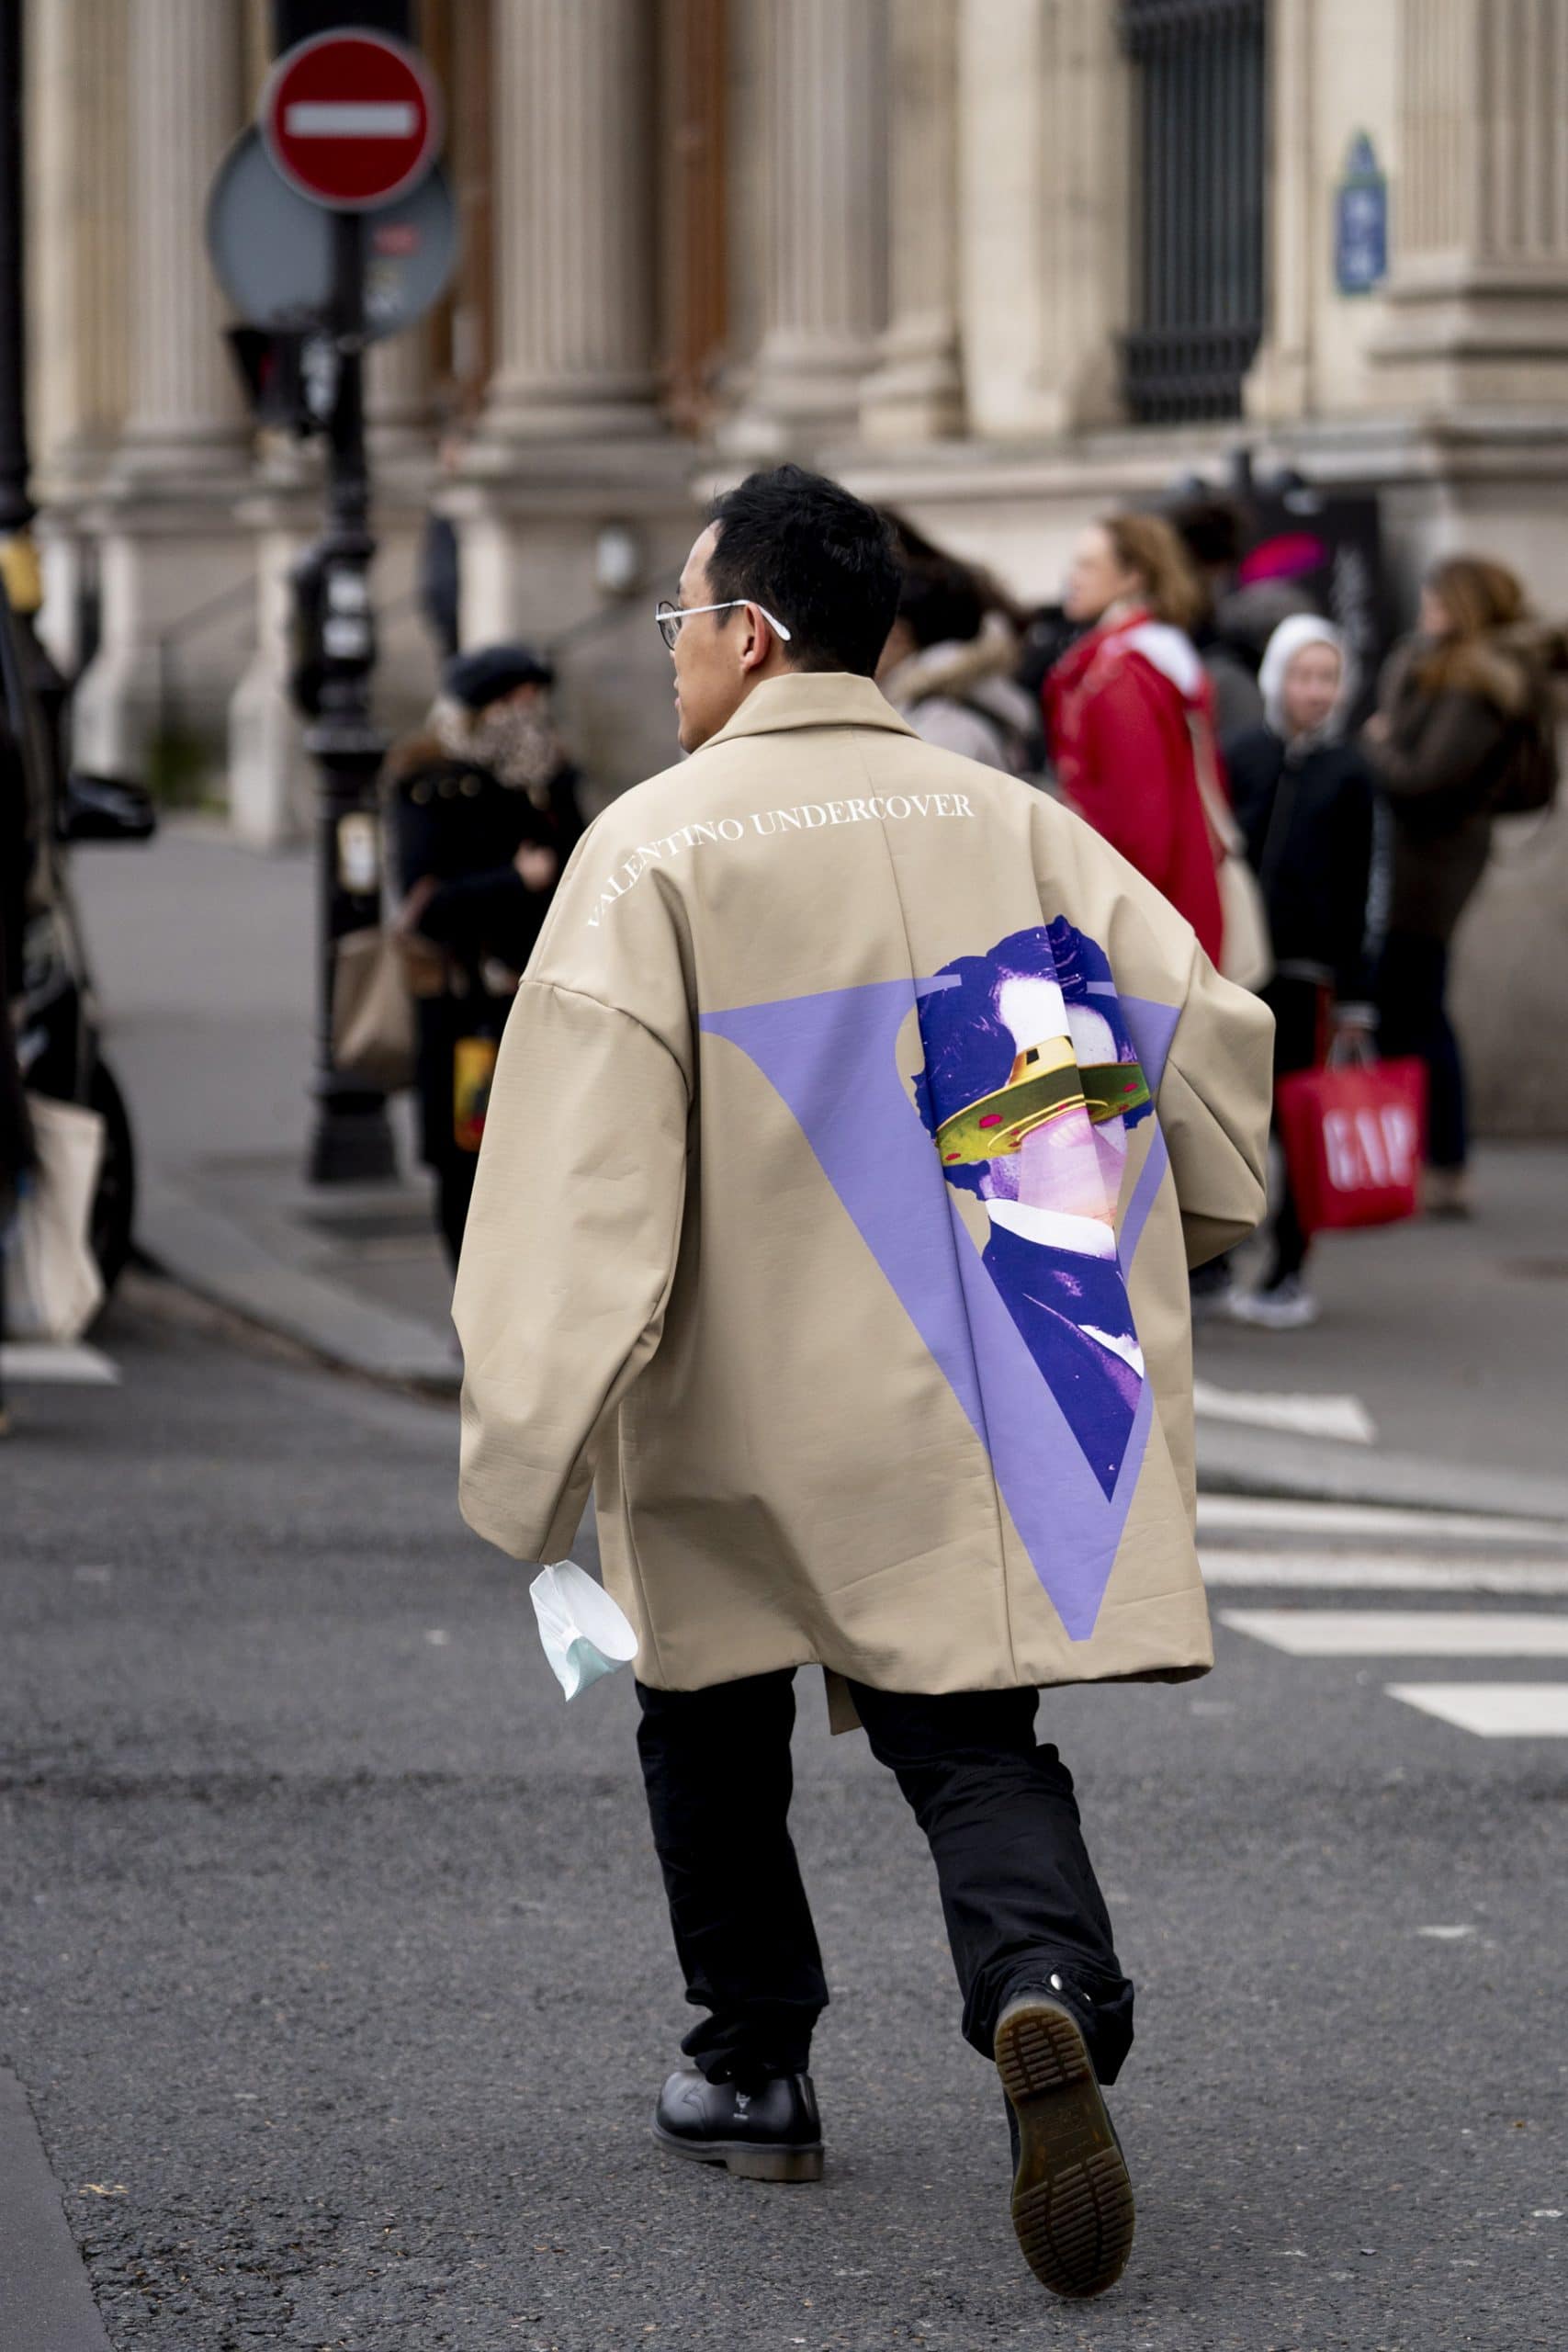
<point>1450,1337</point>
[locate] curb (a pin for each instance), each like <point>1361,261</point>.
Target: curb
<point>210,1255</point>
<point>216,1259</point>
<point>49,2304</point>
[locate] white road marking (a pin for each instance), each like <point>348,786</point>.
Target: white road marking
<point>68,1367</point>
<point>1446,1934</point>
<point>1493,1710</point>
<point>1225,1515</point>
<point>1405,1633</point>
<point>1339,1417</point>
<point>1355,1572</point>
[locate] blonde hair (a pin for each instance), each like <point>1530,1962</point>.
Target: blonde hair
<point>1147,545</point>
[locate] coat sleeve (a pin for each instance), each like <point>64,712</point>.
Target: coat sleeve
<point>485,914</point>
<point>1122,782</point>
<point>1451,753</point>
<point>567,1257</point>
<point>1214,1102</point>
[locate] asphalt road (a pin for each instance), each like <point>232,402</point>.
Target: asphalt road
<point>334,1963</point>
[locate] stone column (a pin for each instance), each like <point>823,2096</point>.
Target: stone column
<point>916,393</point>
<point>1278,384</point>
<point>187,103</point>
<point>77,248</point>
<point>1043,206</point>
<point>571,440</point>
<point>573,233</point>
<point>176,633</point>
<point>1478,294</point>
<point>822,103</point>
<point>78,194</point>
<point>399,395</point>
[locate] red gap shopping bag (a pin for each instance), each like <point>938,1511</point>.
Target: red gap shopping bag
<point>1354,1136</point>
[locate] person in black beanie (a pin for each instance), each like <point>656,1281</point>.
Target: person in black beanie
<point>483,813</point>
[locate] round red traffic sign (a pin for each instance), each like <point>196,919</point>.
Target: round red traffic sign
<point>352,118</point>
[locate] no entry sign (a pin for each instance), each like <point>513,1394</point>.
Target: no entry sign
<point>351,119</point>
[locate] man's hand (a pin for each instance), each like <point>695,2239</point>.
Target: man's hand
<point>538,865</point>
<point>1353,1034</point>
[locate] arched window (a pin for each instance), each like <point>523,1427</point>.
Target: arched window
<point>1200,99</point>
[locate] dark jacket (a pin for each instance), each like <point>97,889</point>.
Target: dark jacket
<point>456,822</point>
<point>1459,716</point>
<point>1308,825</point>
<point>16,1127</point>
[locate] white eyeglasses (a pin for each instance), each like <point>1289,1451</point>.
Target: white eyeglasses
<point>669,617</point>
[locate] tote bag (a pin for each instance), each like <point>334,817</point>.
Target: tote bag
<point>53,1287</point>
<point>373,1015</point>
<point>1354,1138</point>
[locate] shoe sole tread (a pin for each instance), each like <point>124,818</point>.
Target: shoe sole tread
<point>1072,2203</point>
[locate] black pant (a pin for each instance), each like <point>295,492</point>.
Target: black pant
<point>1299,1007</point>
<point>454,1191</point>
<point>1413,976</point>
<point>1017,1889</point>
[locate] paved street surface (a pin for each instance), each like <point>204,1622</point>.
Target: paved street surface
<point>335,1962</point>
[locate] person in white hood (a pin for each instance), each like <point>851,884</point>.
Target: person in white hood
<point>1304,797</point>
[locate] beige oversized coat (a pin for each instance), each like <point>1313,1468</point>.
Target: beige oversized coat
<point>858,1119</point>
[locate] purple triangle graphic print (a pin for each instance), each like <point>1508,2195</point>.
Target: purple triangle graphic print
<point>832,1059</point>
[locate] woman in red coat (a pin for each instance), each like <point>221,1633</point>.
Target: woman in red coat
<point>1129,713</point>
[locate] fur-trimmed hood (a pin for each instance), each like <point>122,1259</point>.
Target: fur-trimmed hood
<point>410,755</point>
<point>956,667</point>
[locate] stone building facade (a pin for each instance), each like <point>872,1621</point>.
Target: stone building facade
<point>975,255</point>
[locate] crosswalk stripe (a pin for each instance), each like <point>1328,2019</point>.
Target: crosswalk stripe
<point>1345,1418</point>
<point>65,1367</point>
<point>1228,1516</point>
<point>1492,1710</point>
<point>1359,1572</point>
<point>1405,1633</point>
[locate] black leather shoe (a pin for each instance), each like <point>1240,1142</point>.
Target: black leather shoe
<point>1072,2199</point>
<point>772,2132</point>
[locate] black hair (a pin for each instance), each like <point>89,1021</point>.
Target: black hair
<point>1213,530</point>
<point>819,559</point>
<point>940,604</point>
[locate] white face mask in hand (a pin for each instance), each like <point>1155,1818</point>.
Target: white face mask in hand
<point>584,1633</point>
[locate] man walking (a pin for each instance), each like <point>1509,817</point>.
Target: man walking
<point>858,1119</point>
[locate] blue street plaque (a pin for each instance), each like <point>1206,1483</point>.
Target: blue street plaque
<point>1360,221</point>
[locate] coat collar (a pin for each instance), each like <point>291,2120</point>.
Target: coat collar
<point>811,698</point>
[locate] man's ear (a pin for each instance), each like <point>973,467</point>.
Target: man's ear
<point>758,640</point>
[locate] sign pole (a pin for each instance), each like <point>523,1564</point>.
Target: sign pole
<point>352,1138</point>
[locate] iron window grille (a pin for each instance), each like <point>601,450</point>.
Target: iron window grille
<point>1200,120</point>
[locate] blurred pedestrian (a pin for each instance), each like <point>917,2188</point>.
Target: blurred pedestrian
<point>948,666</point>
<point>438,583</point>
<point>1211,530</point>
<point>1129,712</point>
<point>1465,725</point>
<point>1304,797</point>
<point>16,1151</point>
<point>799,993</point>
<point>484,813</point>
